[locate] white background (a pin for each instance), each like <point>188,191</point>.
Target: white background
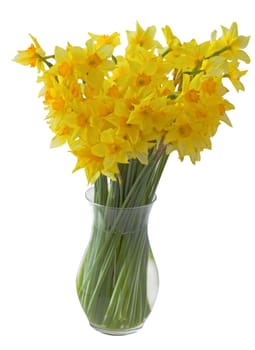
<point>202,226</point>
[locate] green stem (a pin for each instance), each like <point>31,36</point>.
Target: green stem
<point>218,52</point>
<point>45,59</point>
<point>101,190</point>
<point>166,52</point>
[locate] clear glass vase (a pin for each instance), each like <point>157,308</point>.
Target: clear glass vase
<point>117,281</point>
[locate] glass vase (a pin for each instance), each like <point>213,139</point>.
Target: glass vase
<point>117,281</point>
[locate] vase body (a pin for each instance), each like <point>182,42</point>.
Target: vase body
<point>117,281</point>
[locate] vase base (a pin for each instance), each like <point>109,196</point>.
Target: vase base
<point>116,332</point>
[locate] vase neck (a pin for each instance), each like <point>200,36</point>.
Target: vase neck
<point>121,220</point>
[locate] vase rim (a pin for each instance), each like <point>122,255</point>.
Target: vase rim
<point>89,195</point>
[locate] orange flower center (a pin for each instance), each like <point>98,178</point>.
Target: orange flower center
<point>94,60</point>
<point>143,80</point>
<point>185,130</point>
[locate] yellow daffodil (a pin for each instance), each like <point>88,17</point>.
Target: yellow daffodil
<point>32,56</point>
<point>234,74</point>
<point>230,44</point>
<point>172,41</point>
<point>110,41</point>
<point>142,38</point>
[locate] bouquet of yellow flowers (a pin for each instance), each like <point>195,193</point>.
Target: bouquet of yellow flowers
<point>122,116</point>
